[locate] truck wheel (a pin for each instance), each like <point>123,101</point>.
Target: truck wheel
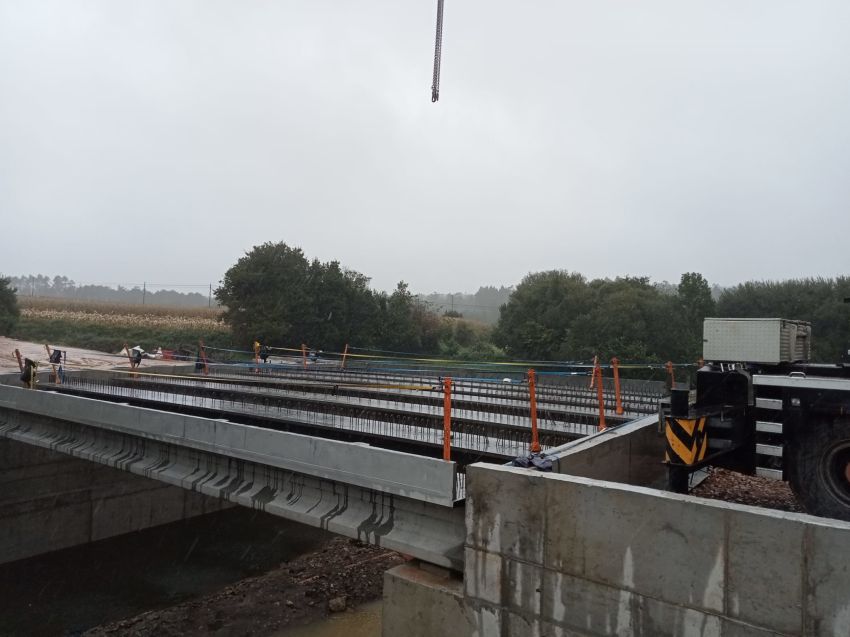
<point>820,469</point>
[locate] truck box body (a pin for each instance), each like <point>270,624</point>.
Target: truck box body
<point>756,340</point>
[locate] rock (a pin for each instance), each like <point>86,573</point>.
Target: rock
<point>290,603</point>
<point>337,604</point>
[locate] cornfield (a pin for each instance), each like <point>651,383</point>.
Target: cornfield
<point>122,314</point>
<point>44,307</point>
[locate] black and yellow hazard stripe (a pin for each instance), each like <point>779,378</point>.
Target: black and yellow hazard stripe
<point>687,440</point>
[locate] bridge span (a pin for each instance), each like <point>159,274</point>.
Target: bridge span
<point>356,452</point>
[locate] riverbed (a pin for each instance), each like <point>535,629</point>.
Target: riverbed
<point>69,591</point>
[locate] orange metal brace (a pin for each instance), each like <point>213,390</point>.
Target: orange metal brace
<point>202,351</point>
<point>669,367</point>
<point>20,360</point>
<point>344,355</point>
<point>593,372</point>
<point>615,363</point>
<point>447,419</point>
<point>532,396</point>
<point>598,374</point>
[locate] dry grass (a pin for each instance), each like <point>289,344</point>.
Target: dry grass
<point>126,320</point>
<point>107,326</point>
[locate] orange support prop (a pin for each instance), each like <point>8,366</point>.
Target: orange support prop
<point>202,351</point>
<point>447,419</point>
<point>532,396</point>
<point>615,363</point>
<point>598,374</point>
<point>304,354</point>
<point>593,371</point>
<point>344,355</point>
<point>669,367</point>
<point>20,360</point>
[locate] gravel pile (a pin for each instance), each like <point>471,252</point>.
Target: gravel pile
<point>729,486</point>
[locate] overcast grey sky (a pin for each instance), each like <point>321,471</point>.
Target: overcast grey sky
<point>161,140</point>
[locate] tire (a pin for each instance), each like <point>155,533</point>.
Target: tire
<point>820,469</point>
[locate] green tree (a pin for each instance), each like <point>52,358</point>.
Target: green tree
<point>275,294</point>
<point>558,315</point>
<point>406,324</point>
<point>9,312</point>
<point>629,318</point>
<point>536,320</point>
<point>695,303</point>
<point>267,295</point>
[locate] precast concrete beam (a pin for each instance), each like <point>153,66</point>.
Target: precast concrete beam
<point>428,531</point>
<point>414,477</point>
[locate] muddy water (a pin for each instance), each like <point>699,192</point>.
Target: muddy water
<point>68,591</point>
<point>364,621</point>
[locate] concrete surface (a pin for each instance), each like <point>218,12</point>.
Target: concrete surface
<point>410,476</point>
<point>631,454</point>
<point>553,554</point>
<point>50,501</point>
<point>431,532</point>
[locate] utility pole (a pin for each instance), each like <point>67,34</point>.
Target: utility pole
<point>209,298</point>
<point>144,291</point>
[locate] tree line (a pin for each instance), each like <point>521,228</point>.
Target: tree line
<point>560,315</point>
<point>65,288</point>
<point>277,295</point>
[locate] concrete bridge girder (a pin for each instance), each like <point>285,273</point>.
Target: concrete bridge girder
<point>418,527</point>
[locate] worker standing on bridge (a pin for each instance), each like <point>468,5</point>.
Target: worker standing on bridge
<point>264,353</point>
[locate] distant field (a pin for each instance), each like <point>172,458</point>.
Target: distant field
<point>41,304</point>
<point>108,326</point>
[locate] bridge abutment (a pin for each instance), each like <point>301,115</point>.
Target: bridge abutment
<point>51,501</point>
<point>551,555</point>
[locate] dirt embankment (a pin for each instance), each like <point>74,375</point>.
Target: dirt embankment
<point>75,357</point>
<point>341,575</point>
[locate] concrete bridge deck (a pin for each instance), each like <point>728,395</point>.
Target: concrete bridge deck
<point>363,463</point>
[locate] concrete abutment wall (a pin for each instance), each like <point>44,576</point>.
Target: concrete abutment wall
<point>51,501</point>
<point>559,555</point>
